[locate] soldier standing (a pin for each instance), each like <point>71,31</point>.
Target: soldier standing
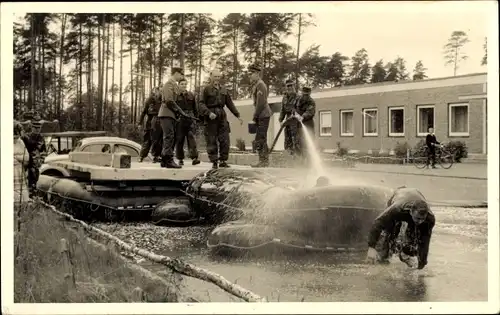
<point>35,145</point>
<point>213,99</point>
<point>150,139</point>
<point>288,109</point>
<point>186,127</point>
<point>261,116</point>
<point>306,109</point>
<point>169,110</point>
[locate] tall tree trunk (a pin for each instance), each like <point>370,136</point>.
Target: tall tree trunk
<point>112,109</point>
<point>39,73</point>
<point>152,55</point>
<point>89,80</point>
<point>131,81</point>
<point>42,72</point>
<point>160,59</point>
<point>106,85</point>
<point>80,79</point>
<point>235,63</point>
<point>61,57</point>
<point>99,76</point>
<point>121,79</point>
<point>182,40</point>
<point>297,70</point>
<point>31,99</point>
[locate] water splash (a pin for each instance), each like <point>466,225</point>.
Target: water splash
<point>316,164</point>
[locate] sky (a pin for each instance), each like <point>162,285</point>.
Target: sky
<point>412,30</point>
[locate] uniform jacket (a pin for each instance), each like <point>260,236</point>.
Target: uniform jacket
<point>288,105</point>
<point>259,94</point>
<point>169,94</point>
<point>151,107</point>
<point>213,97</point>
<point>398,210</point>
<point>187,102</point>
<point>35,144</point>
<point>430,140</point>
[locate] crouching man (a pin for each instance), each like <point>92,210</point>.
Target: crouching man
<point>407,213</point>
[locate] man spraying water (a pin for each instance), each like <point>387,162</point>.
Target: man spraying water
<point>406,209</point>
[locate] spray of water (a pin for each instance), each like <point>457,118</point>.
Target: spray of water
<point>316,164</point>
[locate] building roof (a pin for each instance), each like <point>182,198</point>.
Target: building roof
<point>382,87</point>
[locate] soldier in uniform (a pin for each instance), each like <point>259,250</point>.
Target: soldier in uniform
<point>306,109</point>
<point>169,110</point>
<point>35,144</point>
<point>404,228</point>
<point>288,109</point>
<point>151,108</point>
<point>186,127</point>
<point>213,99</point>
<point>261,116</point>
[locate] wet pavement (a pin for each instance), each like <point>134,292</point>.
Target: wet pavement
<point>457,269</point>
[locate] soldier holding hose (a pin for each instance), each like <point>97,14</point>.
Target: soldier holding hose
<point>288,109</point>
<point>306,109</point>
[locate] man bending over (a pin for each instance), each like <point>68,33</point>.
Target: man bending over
<point>406,209</point>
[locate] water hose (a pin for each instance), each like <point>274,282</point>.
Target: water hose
<point>283,125</point>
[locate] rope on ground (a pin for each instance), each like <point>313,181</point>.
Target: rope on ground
<point>177,265</point>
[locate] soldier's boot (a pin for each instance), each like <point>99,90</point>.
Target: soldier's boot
<point>215,165</point>
<point>262,163</point>
<point>156,159</point>
<point>224,164</point>
<point>181,162</point>
<point>169,163</point>
<point>196,161</point>
<point>141,159</point>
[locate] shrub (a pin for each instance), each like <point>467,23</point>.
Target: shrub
<point>240,144</point>
<point>458,149</point>
<point>400,149</point>
<point>341,151</point>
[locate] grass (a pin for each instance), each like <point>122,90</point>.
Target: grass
<point>100,276</point>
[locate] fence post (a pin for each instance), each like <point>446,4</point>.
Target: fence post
<point>407,156</point>
<point>69,275</point>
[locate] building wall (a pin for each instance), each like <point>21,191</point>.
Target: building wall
<point>439,97</point>
<point>409,95</point>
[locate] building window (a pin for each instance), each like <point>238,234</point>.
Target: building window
<point>370,122</point>
<point>459,120</point>
<point>397,121</point>
<point>346,123</point>
<point>425,119</point>
<point>325,123</point>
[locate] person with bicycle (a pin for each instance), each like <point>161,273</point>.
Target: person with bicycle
<point>431,143</point>
<point>404,228</point>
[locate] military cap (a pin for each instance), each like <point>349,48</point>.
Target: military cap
<point>254,68</point>
<point>176,67</point>
<point>306,89</point>
<point>289,82</point>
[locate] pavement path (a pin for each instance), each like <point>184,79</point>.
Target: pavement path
<point>471,171</point>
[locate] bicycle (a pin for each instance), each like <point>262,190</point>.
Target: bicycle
<point>443,157</point>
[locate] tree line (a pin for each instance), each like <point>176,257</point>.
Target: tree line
<point>64,64</point>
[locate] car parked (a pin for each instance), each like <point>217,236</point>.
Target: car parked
<point>93,144</point>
